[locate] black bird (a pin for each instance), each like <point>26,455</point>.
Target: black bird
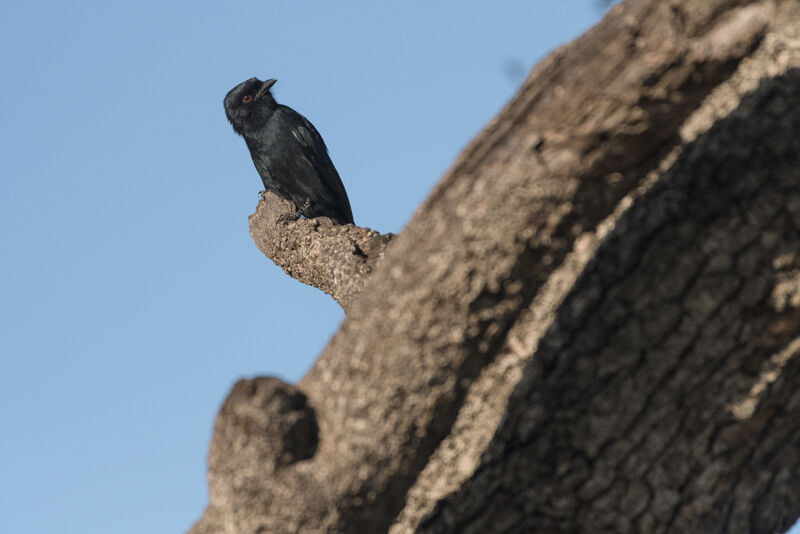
<point>288,152</point>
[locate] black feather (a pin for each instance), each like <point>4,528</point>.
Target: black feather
<point>288,152</point>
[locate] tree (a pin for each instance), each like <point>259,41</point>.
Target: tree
<point>591,325</point>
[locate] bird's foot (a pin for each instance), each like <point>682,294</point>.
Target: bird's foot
<point>287,217</point>
<point>294,216</point>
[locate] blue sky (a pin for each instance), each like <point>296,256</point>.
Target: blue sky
<point>132,295</point>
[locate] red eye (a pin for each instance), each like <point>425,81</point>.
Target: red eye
<point>246,99</point>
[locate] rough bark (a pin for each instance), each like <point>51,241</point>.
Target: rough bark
<point>590,325</point>
<point>337,259</point>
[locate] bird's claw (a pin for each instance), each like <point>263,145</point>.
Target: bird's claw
<point>287,217</point>
<point>295,216</point>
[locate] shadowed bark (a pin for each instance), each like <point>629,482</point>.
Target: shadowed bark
<point>590,325</point>
<point>657,398</point>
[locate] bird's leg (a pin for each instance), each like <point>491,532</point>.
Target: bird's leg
<point>295,216</point>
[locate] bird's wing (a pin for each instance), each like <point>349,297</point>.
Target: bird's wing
<point>314,149</point>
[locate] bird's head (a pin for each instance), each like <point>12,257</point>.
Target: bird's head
<point>249,105</point>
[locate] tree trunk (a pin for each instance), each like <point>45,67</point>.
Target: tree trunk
<point>590,325</point>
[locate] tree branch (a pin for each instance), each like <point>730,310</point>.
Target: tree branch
<point>480,348</point>
<point>337,259</point>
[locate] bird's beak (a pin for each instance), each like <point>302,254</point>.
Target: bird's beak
<point>265,87</point>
